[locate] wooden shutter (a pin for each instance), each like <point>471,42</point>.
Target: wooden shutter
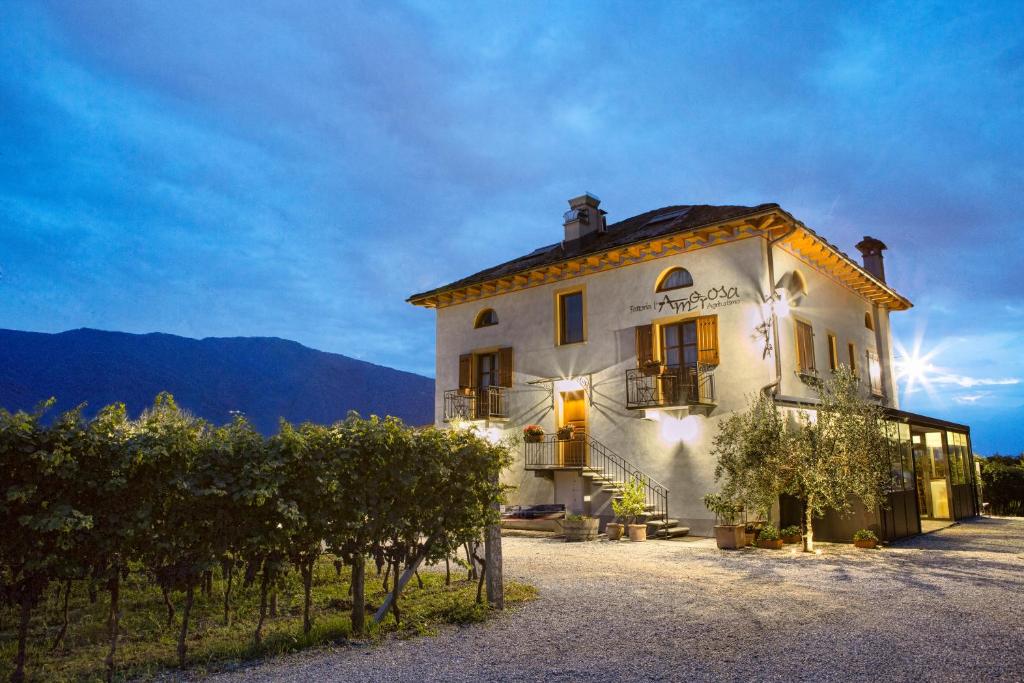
<point>466,371</point>
<point>707,339</point>
<point>644,345</point>
<point>505,366</point>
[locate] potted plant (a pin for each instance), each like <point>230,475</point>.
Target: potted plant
<point>790,534</point>
<point>579,527</point>
<point>632,506</point>
<point>651,367</point>
<point>533,433</point>
<point>565,432</point>
<point>865,538</point>
<point>768,537</point>
<point>614,529</point>
<point>728,534</point>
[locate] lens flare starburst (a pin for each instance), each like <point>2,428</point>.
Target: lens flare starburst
<point>914,367</point>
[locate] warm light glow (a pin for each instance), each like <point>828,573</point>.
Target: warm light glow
<point>675,430</point>
<point>492,434</point>
<point>569,384</point>
<point>781,303</point>
<point>653,415</point>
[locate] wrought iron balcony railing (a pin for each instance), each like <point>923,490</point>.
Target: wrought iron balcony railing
<point>662,387</point>
<point>476,404</point>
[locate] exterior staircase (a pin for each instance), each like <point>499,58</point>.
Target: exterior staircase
<point>659,524</point>
<point>605,473</point>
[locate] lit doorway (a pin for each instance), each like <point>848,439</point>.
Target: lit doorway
<point>573,451</point>
<point>931,471</point>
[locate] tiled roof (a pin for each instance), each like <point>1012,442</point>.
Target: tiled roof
<point>664,221</point>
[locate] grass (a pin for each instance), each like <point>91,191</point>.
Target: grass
<point>148,644</point>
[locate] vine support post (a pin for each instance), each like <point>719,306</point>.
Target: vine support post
<point>492,559</point>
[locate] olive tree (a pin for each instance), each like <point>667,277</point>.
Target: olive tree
<point>829,455</point>
<point>752,447</point>
<point>838,453</point>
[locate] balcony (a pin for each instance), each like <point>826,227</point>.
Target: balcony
<point>488,403</point>
<point>670,387</point>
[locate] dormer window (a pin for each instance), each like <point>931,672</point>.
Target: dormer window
<point>676,278</point>
<point>486,318</point>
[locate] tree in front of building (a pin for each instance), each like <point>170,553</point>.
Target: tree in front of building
<point>827,457</point>
<point>838,453</point>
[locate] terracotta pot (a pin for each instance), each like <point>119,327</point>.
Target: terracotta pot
<point>638,532</point>
<point>614,531</point>
<point>870,543</point>
<point>579,529</point>
<point>730,536</point>
<point>789,540</point>
<point>770,545</point>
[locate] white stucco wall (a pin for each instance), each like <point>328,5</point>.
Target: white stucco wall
<point>676,449</point>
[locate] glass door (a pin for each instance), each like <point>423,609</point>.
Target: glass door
<point>679,349</point>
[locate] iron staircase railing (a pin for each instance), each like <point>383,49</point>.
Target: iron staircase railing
<point>584,452</point>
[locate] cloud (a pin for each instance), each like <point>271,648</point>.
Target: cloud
<point>968,382</point>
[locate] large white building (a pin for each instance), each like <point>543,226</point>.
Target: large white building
<point>640,336</point>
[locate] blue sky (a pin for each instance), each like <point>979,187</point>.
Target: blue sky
<point>298,169</point>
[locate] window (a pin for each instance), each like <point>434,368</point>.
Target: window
<point>486,318</point>
<point>853,357</point>
<point>868,322</point>
<point>676,278</point>
<point>805,347</point>
<point>570,318</point>
<point>833,353</point>
<point>875,373</point>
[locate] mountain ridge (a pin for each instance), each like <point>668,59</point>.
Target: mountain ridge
<point>266,378</point>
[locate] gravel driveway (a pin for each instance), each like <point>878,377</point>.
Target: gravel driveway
<point>946,606</point>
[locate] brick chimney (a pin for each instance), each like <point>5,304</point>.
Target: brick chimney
<point>583,217</point>
<point>871,251</point>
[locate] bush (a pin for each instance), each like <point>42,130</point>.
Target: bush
<point>865,535</point>
<point>768,533</point>
<point>725,509</point>
<point>1002,479</point>
<point>790,530</point>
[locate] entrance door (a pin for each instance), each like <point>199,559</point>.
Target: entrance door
<point>931,472</point>
<point>573,452</point>
<point>679,345</point>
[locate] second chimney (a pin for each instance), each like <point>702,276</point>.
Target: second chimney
<point>871,251</point>
<point>583,217</point>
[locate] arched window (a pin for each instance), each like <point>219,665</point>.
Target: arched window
<point>868,322</point>
<point>486,318</point>
<point>676,278</point>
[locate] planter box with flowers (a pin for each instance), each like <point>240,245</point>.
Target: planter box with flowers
<point>865,538</point>
<point>790,534</point>
<point>533,433</point>
<point>565,432</point>
<point>769,537</point>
